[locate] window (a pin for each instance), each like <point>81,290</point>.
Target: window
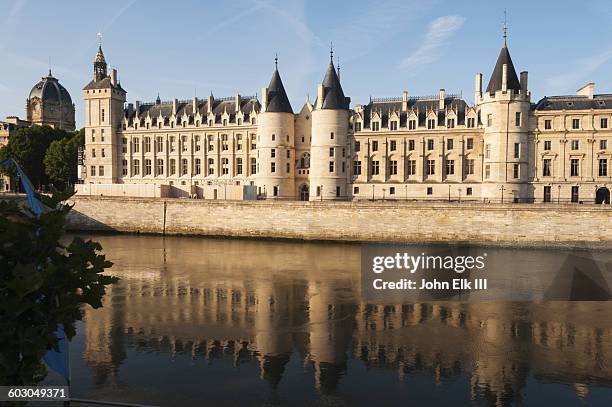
<point>469,144</point>
<point>547,145</point>
<point>331,135</point>
<point>392,191</point>
<point>337,191</point>
<point>574,167</point>
<point>429,190</point>
<point>93,136</point>
<point>575,144</point>
<point>517,119</point>
<point>375,168</point>
<point>238,166</point>
<point>450,123</point>
<point>469,167</point>
<point>375,126</point>
<point>546,168</point>
<point>411,145</point>
<point>159,170</point>
<point>547,194</point>
<point>124,145</point>
<point>103,116</point>
<point>393,167</point>
<point>471,122</point>
<point>103,154</point>
<point>331,166</point>
<point>431,167</point>
<point>288,153</point>
<point>430,144</point>
<point>275,191</point>
<point>92,171</point>
<point>489,120</point>
<point>197,143</point>
<point>487,150</point>
<point>547,124</point>
<point>136,144</point>
<point>575,124</point>
<point>136,167</point>
<point>225,166</point>
<point>184,143</point>
<point>575,193</point>
<point>431,124</point>
<point>93,153</point>
<point>124,168</point>
<point>450,167</point>
<point>184,166</point>
<point>357,167</point>
<point>289,168</point>
<point>273,137</point>
<point>343,166</point>
<point>468,191</point>
<point>102,135</point>
<point>516,171</point>
<point>147,144</point>
<point>603,167</point>
<point>487,171</point>
<point>211,166</point>
<point>253,166</point>
<point>159,144</point>
<point>272,167</point>
<point>412,124</point>
<point>355,190</point>
<point>517,150</point>
<point>358,126</point>
<point>172,166</point>
<point>449,144</point>
<point>603,123</point>
<point>101,170</point>
<point>411,167</point>
<point>318,191</point>
<point>374,145</point>
<point>273,153</point>
<point>331,151</point>
<point>394,125</point>
<point>197,166</point>
<point>147,167</point>
<point>393,145</point>
<point>357,146</point>
<point>603,144</point>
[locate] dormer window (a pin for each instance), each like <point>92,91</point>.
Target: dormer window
<point>431,124</point>
<point>357,126</point>
<point>224,122</point>
<point>450,123</point>
<point>239,122</point>
<point>412,124</point>
<point>471,122</point>
<point>393,125</point>
<point>375,126</point>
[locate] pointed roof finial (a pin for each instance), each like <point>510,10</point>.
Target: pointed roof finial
<point>331,51</point>
<point>99,40</point>
<point>505,26</point>
<point>275,60</point>
<point>338,65</point>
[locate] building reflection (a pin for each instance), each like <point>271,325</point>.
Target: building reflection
<point>269,302</point>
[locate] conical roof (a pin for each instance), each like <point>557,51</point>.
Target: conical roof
<point>333,96</point>
<point>100,55</point>
<point>278,101</point>
<point>495,83</point>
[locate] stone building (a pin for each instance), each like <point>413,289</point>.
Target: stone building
<point>503,148</point>
<point>50,104</point>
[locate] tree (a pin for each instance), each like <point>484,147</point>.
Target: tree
<point>43,283</point>
<point>27,146</point>
<point>61,159</point>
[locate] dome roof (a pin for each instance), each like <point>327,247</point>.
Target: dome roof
<point>50,90</point>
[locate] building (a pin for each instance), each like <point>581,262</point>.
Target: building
<point>503,148</point>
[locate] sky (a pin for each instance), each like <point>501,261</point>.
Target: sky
<point>186,48</point>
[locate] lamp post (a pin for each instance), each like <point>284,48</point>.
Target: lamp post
<point>383,197</point>
<point>449,193</point>
<point>265,193</point>
<point>372,192</point>
<point>502,194</point>
<point>277,192</point>
<point>559,194</point>
<point>406,186</point>
<point>321,192</point>
<point>459,189</point>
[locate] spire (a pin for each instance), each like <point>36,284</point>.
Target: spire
<point>100,62</point>
<point>333,96</point>
<point>495,83</point>
<point>331,52</point>
<point>278,102</point>
<point>505,27</point>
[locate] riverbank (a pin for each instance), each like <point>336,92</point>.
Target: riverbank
<point>520,225</point>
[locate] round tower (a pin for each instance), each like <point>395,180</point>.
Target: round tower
<point>275,177</point>
<point>329,172</point>
<point>504,112</point>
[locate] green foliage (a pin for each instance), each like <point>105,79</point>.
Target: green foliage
<point>42,283</point>
<point>28,146</point>
<point>61,159</point>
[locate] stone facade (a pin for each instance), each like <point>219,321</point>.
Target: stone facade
<point>503,148</point>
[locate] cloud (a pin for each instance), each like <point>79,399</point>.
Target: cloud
<point>438,36</point>
<point>581,69</point>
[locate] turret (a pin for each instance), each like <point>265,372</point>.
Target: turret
<point>329,169</point>
<point>504,110</point>
<point>275,177</point>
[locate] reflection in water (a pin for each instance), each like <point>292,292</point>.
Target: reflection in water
<point>202,319</point>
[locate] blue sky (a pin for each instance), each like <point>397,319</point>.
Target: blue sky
<point>192,47</point>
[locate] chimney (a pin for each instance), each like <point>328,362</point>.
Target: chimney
<point>442,97</point>
<point>264,99</point>
<point>174,105</point>
<point>587,90</point>
<point>194,105</point>
<point>210,102</point>
<point>524,82</point>
<point>114,77</point>
<point>404,101</point>
<point>477,87</point>
<point>504,77</point>
<point>137,108</point>
<point>320,90</point>
<point>237,102</point>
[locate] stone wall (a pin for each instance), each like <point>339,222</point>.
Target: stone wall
<point>514,225</point>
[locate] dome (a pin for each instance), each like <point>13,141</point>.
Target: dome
<point>50,90</point>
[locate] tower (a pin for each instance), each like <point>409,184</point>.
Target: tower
<point>50,104</point>
<point>329,172</point>
<point>275,176</point>
<point>504,112</point>
<point>104,98</point>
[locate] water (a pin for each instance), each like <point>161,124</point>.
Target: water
<point>255,323</point>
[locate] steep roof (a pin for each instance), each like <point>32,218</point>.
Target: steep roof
<point>495,83</point>
<point>574,102</point>
<point>277,97</point>
<point>333,96</point>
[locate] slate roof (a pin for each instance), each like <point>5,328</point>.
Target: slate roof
<point>333,96</point>
<point>495,83</point>
<point>104,83</point>
<point>50,90</point>
<point>277,97</point>
<point>574,102</point>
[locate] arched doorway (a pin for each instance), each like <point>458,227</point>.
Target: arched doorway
<point>304,193</point>
<point>602,196</point>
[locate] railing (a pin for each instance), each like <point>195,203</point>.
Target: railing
<point>413,98</point>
